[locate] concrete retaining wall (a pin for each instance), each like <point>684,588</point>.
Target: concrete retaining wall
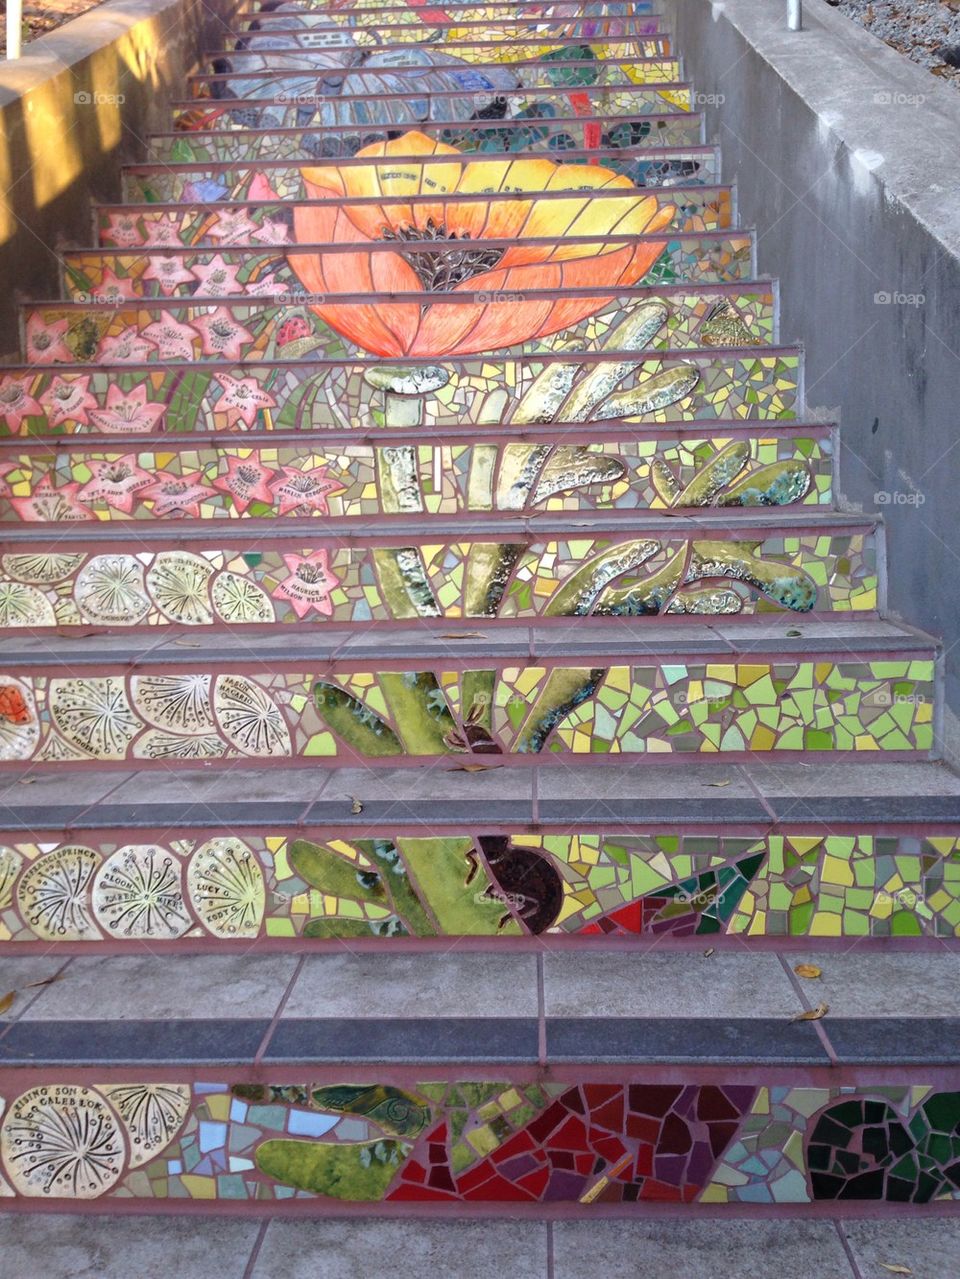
<point>848,161</point>
<point>79,102</point>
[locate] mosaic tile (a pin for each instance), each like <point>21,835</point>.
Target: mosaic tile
<point>533,133</point>
<point>446,105</point>
<point>318,884</point>
<point>294,582</point>
<point>466,1141</point>
<point>545,473</point>
<point>345,712</point>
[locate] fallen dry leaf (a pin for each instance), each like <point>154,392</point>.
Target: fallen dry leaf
<point>47,981</point>
<point>463,635</point>
<point>187,643</point>
<point>794,634</point>
<point>808,970</point>
<point>27,781</point>
<point>472,768</point>
<point>814,1014</point>
<point>355,804</point>
<point>7,1002</point>
<point>711,950</point>
<point>894,1268</point>
<point>725,782</point>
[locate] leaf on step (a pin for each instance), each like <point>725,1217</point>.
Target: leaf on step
<point>812,1014</point>
<point>711,950</point>
<point>7,1002</point>
<point>472,768</point>
<point>355,804</point>
<point>187,643</point>
<point>47,981</point>
<point>27,781</point>
<point>463,635</point>
<point>794,634</point>
<point>894,1269</point>
<point>724,782</point>
<point>77,632</point>
<point>808,970</point>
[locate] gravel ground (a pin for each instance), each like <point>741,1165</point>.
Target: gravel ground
<point>38,19</point>
<point>926,30</point>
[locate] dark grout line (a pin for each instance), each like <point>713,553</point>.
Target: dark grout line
<point>255,1250</point>
<point>848,1251</point>
<point>541,1015</point>
<point>551,1254</point>
<point>268,1034</point>
<point>818,1025</point>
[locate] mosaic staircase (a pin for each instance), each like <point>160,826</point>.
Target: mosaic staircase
<point>341,618</point>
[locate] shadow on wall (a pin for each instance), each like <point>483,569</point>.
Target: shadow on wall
<point>78,103</point>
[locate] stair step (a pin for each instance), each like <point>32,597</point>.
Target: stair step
<point>588,690</point>
<point>397,17</point>
<point>249,329</point>
<point>713,384</point>
<point>409,1080</point>
<point>495,572</point>
<point>112,275</point>
<point>489,50</point>
<point>544,35</point>
<point>502,75</point>
<point>537,472</point>
<point>764,851</point>
<point>402,108</point>
<point>269,220</point>
<point>549,134</point>
<point>690,176</point>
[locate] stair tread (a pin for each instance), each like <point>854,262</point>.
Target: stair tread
<point>402,642</point>
<point>679,1008</point>
<point>711,792</point>
<point>700,522</point>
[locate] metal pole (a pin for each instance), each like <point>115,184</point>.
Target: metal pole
<point>14,23</point>
<point>794,15</point>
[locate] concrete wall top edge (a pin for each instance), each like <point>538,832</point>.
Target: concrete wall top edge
<point>79,39</point>
<point>898,122</point>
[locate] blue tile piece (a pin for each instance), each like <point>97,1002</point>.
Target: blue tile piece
<point>306,1123</point>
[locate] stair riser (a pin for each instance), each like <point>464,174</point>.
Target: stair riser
<point>278,53</point>
<point>400,17</point>
<point>400,109</point>
<point>111,890</point>
<point>758,386</point>
<point>352,581</point>
<point>266,220</point>
<point>359,481</point>
<point>394,31</point>
<point>312,144</point>
<point>407,1138</point>
<point>614,66</point>
<point>676,170</point>
<point>113,275</point>
<point>261,329</point>
<point>395,712</point>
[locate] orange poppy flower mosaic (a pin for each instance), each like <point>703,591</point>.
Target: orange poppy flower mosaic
<point>365,204</point>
